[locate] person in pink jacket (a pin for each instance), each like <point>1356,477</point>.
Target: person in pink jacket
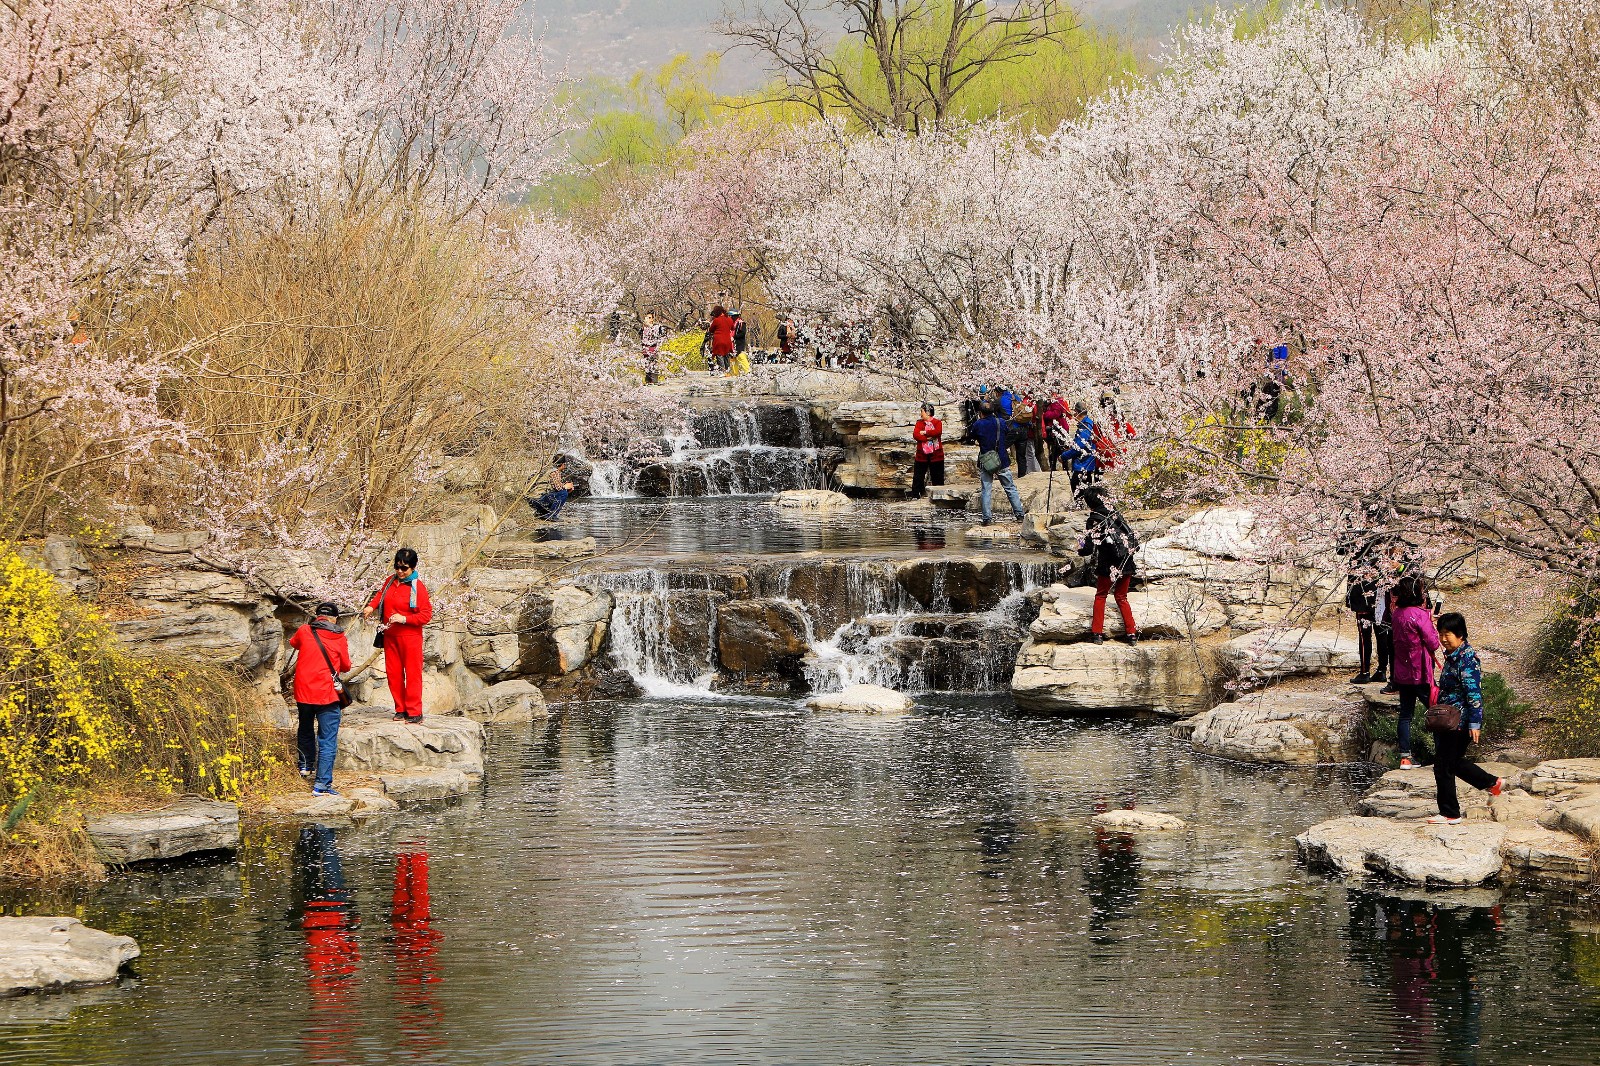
<point>1416,653</point>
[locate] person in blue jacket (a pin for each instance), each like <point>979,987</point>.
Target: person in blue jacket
<point>990,433</point>
<point>1460,685</point>
<point>1085,468</point>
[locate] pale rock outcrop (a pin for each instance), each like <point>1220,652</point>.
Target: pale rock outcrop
<point>1546,853</point>
<point>191,824</point>
<point>1138,822</point>
<point>1291,728</point>
<point>1165,676</point>
<point>812,500</point>
<point>1220,532</point>
<point>1412,794</point>
<point>861,699</point>
<point>58,952</point>
<point>578,622</point>
<point>65,561</point>
<point>213,617</point>
<point>1165,609</point>
<point>1464,854</point>
<point>370,743</point>
<point>507,702</point>
<point>1272,655</point>
<point>426,786</point>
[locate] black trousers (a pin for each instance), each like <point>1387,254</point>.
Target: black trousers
<point>1385,648</point>
<point>924,474</point>
<point>1450,762</point>
<point>1410,696</point>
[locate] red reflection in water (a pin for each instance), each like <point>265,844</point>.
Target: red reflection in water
<point>327,916</point>
<point>416,943</point>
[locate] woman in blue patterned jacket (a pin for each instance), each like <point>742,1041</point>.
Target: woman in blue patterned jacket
<point>1460,684</point>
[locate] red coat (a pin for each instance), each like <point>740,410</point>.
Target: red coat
<point>722,335</point>
<point>397,600</point>
<point>929,429</point>
<point>313,685</point>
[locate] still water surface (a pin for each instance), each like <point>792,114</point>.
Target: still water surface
<point>734,882</point>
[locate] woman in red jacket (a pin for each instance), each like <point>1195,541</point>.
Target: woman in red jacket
<point>403,608</point>
<point>928,465</point>
<point>721,331</point>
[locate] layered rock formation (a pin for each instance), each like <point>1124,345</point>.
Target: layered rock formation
<point>58,953</point>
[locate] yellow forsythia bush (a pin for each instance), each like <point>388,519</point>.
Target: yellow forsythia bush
<point>78,710</point>
<point>683,352</point>
<point>1567,654</point>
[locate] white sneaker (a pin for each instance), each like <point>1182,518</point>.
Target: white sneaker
<point>1440,819</point>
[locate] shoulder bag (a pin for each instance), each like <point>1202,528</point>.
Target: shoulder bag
<point>989,462</point>
<point>377,638</point>
<point>345,699</point>
<point>1440,717</point>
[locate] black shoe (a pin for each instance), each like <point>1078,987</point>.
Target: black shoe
<point>1389,690</point>
<point>1361,679</point>
<point>1380,676</point>
<point>399,716</point>
<point>1098,638</point>
<point>987,522</point>
<point>1131,639</point>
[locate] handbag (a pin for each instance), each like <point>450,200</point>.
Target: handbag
<point>928,447</point>
<point>989,462</point>
<point>345,699</point>
<point>1440,717</point>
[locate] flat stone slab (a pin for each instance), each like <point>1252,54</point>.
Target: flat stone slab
<point>1138,822</point>
<point>380,745</point>
<point>190,825</point>
<point>1286,728</point>
<point>1423,854</point>
<point>426,786</point>
<point>49,953</point>
<point>1411,794</point>
<point>812,500</point>
<point>862,699</point>
<point>1559,775</point>
<point>1547,853</point>
<point>1162,610</point>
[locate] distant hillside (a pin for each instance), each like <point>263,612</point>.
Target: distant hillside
<point>617,37</point>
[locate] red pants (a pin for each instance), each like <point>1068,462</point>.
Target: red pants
<point>402,660</point>
<point>1102,585</point>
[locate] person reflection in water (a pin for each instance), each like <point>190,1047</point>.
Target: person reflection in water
<point>325,912</point>
<point>1111,876</point>
<point>1431,954</point>
<point>416,943</point>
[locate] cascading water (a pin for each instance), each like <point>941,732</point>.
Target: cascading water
<point>904,625</point>
<point>732,451</point>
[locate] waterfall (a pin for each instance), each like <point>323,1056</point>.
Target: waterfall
<point>729,451</point>
<point>664,637</point>
<point>862,624</point>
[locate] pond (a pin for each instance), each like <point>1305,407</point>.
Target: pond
<point>733,881</point>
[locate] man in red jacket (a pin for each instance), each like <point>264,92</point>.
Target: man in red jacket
<point>403,608</point>
<point>321,654</point>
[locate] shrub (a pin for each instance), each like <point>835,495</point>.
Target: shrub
<point>683,352</point>
<point>1567,653</point>
<point>80,715</point>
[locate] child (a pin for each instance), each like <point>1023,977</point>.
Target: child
<point>1461,685</point>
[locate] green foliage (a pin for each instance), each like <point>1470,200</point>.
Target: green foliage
<point>1504,716</point>
<point>1567,653</point>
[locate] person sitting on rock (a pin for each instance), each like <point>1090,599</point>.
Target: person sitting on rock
<point>1111,544</point>
<point>321,655</point>
<point>1460,687</point>
<point>548,505</point>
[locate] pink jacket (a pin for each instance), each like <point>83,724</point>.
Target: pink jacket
<point>1415,640</point>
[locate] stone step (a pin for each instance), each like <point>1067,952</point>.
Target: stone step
<point>375,743</point>
<point>190,825</point>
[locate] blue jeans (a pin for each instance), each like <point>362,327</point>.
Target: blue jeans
<point>986,481</point>
<point>318,741</point>
<point>549,505</point>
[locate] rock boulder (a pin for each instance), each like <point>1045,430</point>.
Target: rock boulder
<point>192,824</point>
<point>861,699</point>
<point>1165,609</point>
<point>1465,854</point>
<point>1274,654</point>
<point>1292,728</point>
<point>1167,676</point>
<point>371,743</point>
<point>761,637</point>
<point>812,500</point>
<point>507,702</point>
<point>49,953</point>
<point>1138,822</point>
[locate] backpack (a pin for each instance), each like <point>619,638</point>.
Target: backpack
<point>1106,448</point>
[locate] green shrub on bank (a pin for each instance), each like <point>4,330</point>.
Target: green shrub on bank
<point>1504,718</point>
<point>1567,653</point>
<point>82,719</point>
